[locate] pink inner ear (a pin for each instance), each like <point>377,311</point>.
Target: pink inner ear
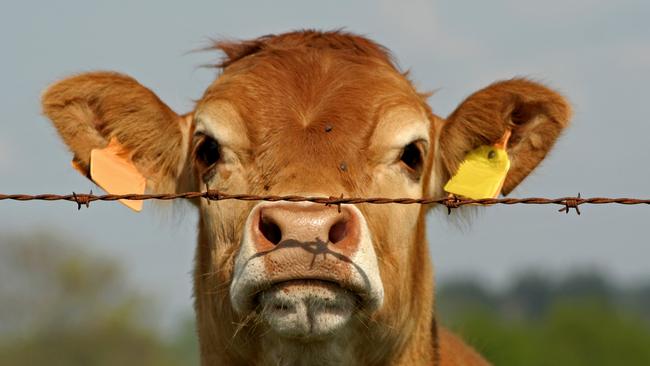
<point>524,112</point>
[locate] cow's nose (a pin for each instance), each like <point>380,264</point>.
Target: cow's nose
<point>306,223</point>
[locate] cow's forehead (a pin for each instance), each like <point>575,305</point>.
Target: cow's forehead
<point>310,110</point>
<point>296,94</point>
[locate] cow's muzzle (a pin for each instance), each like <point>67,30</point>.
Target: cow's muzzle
<point>306,268</point>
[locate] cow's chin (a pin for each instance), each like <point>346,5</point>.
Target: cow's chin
<point>307,309</point>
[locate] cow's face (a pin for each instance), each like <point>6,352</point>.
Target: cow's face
<point>311,123</point>
<point>313,114</point>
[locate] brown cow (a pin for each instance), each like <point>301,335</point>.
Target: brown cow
<point>310,113</point>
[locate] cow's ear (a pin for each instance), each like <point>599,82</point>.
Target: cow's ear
<point>92,110</point>
<point>535,114</point>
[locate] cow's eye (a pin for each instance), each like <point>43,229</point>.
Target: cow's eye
<point>412,158</point>
<point>208,152</point>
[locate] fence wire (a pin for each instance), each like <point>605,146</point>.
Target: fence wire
<point>567,203</point>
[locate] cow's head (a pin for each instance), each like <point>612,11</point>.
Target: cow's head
<point>307,113</point>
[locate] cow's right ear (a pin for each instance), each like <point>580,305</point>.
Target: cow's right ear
<point>92,110</point>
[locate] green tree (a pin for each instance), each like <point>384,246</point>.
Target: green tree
<point>59,305</point>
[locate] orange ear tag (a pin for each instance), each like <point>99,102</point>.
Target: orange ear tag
<point>116,174</point>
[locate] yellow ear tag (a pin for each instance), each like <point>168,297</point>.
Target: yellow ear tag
<point>112,170</point>
<point>482,173</point>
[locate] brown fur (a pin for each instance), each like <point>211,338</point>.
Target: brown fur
<point>276,95</point>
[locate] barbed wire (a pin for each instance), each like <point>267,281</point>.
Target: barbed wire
<point>451,202</point>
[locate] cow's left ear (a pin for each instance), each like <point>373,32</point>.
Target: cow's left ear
<point>535,114</point>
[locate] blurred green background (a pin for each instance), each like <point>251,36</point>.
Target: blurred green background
<point>579,319</point>
<point>61,304</point>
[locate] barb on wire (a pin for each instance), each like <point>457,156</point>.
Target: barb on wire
<point>334,201</point>
<point>215,195</point>
<point>82,199</point>
<point>451,202</point>
<point>572,203</point>
<point>208,197</point>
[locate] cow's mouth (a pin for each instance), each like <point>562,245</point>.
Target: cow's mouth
<point>307,309</point>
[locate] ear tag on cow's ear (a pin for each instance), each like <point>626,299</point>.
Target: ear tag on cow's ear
<point>114,171</point>
<point>482,173</point>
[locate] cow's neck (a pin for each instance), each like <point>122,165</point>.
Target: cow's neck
<point>224,342</point>
<point>421,347</point>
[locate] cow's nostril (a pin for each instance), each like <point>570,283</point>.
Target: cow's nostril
<point>270,230</point>
<point>338,231</point>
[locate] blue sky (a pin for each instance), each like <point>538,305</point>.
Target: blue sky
<point>597,53</point>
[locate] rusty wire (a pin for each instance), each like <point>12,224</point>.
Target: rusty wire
<point>82,199</point>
